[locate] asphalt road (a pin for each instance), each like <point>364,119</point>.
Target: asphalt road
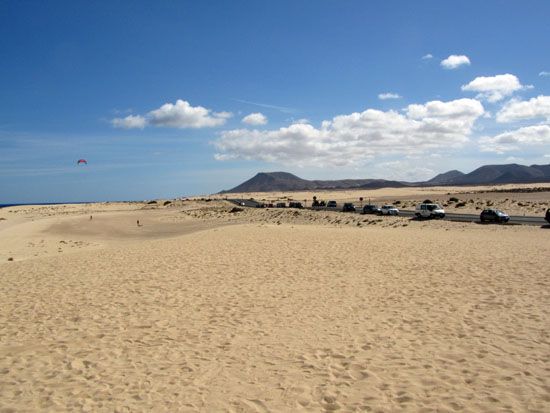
<point>517,220</point>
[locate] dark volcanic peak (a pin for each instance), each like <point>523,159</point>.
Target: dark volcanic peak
<point>504,174</point>
<point>382,183</point>
<point>545,169</point>
<point>485,175</point>
<point>284,181</point>
<point>272,181</point>
<point>446,178</point>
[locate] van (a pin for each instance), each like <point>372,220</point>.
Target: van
<point>429,211</point>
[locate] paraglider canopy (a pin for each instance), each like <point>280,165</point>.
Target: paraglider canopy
<point>82,161</point>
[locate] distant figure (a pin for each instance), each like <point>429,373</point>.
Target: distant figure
<point>90,217</point>
<point>138,223</point>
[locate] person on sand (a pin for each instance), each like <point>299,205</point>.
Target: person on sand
<point>90,217</point>
<point>138,223</point>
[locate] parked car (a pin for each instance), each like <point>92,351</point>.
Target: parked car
<point>493,215</point>
<point>429,211</point>
<point>371,209</point>
<point>348,207</point>
<point>389,210</point>
<point>547,216</point>
<point>295,205</point>
<point>281,205</point>
<point>332,204</point>
<point>317,203</point>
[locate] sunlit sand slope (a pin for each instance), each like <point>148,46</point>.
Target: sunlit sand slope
<point>251,318</point>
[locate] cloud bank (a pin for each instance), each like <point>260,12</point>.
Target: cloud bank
<point>357,137</point>
<point>534,108</point>
<point>512,140</point>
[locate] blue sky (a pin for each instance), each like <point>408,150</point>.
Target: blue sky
<point>168,99</point>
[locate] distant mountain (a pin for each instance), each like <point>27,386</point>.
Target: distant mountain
<point>273,181</point>
<point>445,178</point>
<point>485,175</point>
<point>284,181</point>
<point>503,174</point>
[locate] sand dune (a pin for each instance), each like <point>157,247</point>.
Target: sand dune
<point>274,311</point>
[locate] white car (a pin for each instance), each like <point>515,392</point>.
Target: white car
<point>429,211</point>
<point>389,210</point>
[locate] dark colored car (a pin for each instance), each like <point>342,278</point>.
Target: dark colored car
<point>348,207</point>
<point>281,205</point>
<point>371,209</point>
<point>295,205</point>
<point>547,216</point>
<point>493,215</point>
<point>332,204</point>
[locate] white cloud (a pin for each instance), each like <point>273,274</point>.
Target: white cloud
<point>514,159</point>
<point>403,170</point>
<point>533,108</point>
<point>389,95</point>
<point>544,74</point>
<point>129,122</point>
<point>178,115</point>
<point>512,140</point>
<point>427,56</point>
<point>494,88</point>
<point>255,119</point>
<point>183,115</point>
<point>454,61</point>
<point>357,137</point>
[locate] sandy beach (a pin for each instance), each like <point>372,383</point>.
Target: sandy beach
<point>203,309</point>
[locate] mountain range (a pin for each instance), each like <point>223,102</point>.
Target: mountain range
<point>484,175</point>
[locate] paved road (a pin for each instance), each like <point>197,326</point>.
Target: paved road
<point>245,202</point>
<point>517,220</point>
<point>475,218</point>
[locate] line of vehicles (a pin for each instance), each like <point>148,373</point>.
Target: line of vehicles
<point>425,210</point>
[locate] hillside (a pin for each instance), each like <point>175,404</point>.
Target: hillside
<point>484,175</point>
<point>284,181</point>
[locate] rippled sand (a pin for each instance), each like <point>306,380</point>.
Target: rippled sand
<point>207,310</point>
